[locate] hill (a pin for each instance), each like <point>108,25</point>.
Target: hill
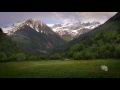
<point>102,42</point>
<point>7,47</point>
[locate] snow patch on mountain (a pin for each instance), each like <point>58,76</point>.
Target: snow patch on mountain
<point>6,29</point>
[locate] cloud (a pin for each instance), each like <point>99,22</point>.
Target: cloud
<point>63,17</point>
<point>66,17</point>
<point>54,17</point>
<point>58,16</point>
<point>95,16</point>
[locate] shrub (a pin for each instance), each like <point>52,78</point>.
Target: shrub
<point>21,56</point>
<point>55,57</point>
<point>117,52</point>
<point>3,56</point>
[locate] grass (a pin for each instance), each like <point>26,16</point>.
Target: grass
<point>67,39</point>
<point>60,69</point>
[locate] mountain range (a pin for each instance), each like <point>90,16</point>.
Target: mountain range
<point>72,30</point>
<point>68,31</point>
<point>34,36</point>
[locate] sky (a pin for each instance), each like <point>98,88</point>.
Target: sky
<point>9,18</point>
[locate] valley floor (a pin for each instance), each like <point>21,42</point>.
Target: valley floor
<point>61,69</point>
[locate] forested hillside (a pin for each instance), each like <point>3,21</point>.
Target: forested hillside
<point>7,48</point>
<point>102,42</point>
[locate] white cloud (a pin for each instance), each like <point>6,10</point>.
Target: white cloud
<point>54,17</point>
<point>66,17</point>
<point>95,16</point>
<point>63,17</point>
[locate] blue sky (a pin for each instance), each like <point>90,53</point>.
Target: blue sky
<point>9,18</point>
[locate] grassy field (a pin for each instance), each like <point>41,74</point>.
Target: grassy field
<point>60,69</point>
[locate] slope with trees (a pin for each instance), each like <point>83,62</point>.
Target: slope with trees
<point>102,42</point>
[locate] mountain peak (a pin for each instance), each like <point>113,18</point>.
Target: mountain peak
<point>36,25</point>
<point>32,20</point>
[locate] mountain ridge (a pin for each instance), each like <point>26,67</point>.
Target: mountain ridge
<point>35,36</point>
<point>74,29</point>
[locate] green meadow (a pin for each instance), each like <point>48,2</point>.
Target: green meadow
<point>61,69</point>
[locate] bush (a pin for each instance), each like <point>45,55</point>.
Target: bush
<point>77,56</point>
<point>70,54</point>
<point>55,57</point>
<point>20,56</point>
<point>12,57</point>
<point>117,52</point>
<point>83,55</point>
<point>87,55</point>
<point>42,57</point>
<point>32,57</point>
<point>3,57</point>
<point>77,47</point>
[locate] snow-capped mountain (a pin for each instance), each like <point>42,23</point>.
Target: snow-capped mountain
<point>74,29</point>
<point>34,36</point>
<point>37,25</point>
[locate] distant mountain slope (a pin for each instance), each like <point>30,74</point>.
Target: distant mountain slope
<point>35,36</point>
<point>101,42</point>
